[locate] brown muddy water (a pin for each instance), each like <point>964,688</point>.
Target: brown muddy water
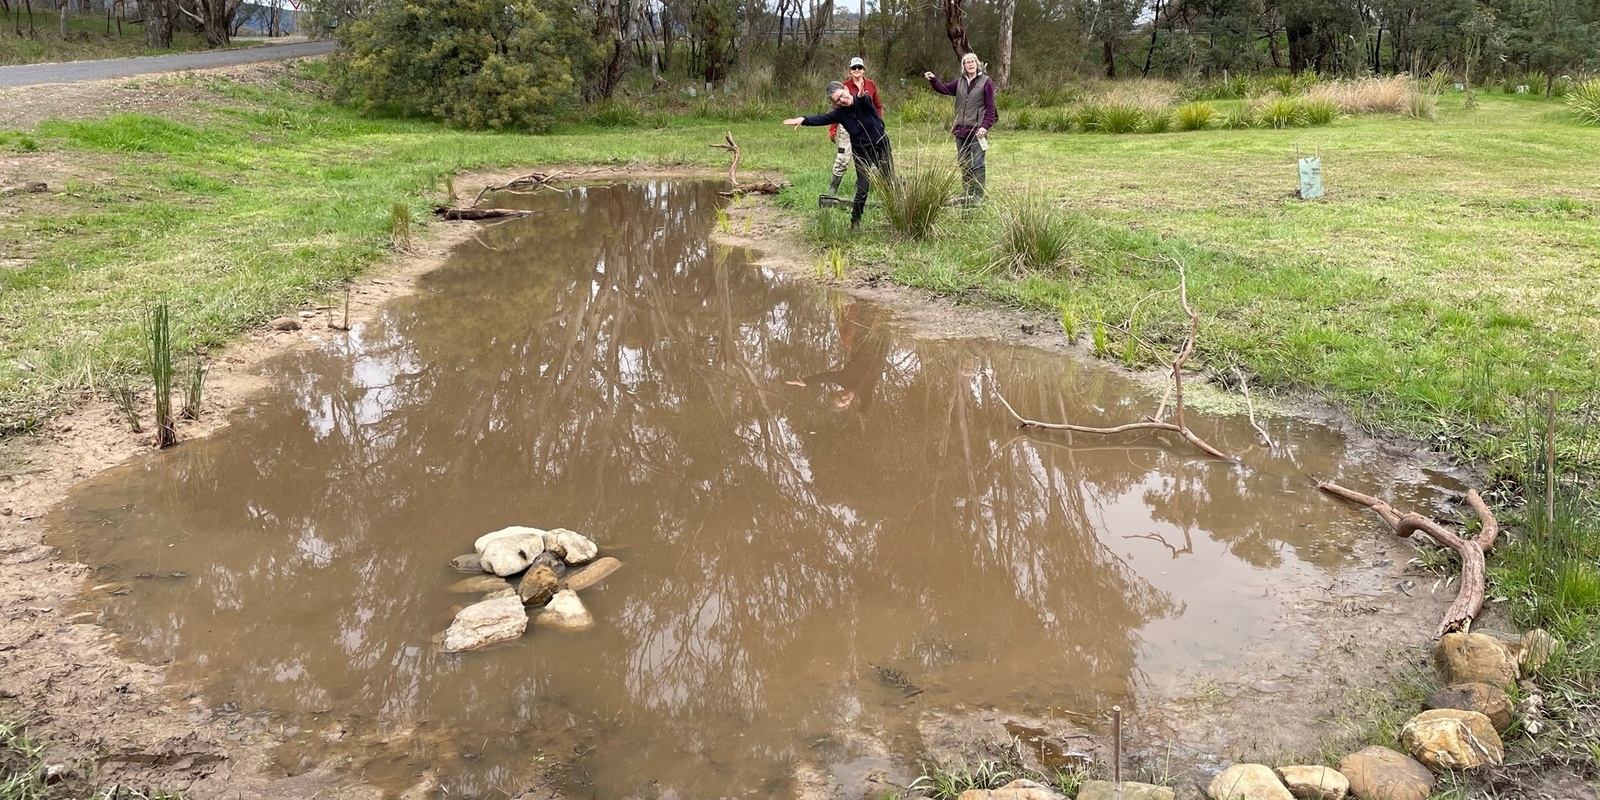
<point>804,565</point>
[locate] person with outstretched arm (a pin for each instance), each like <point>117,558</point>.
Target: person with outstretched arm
<point>975,115</point>
<point>861,86</point>
<point>869,142</point>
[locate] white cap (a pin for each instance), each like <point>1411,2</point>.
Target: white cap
<point>857,62</point>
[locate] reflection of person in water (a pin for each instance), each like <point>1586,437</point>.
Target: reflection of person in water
<point>866,345</point>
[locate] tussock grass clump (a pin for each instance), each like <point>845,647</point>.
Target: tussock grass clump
<point>1120,118</point>
<point>1399,94</point>
<point>921,108</point>
<point>1319,110</point>
<point>915,195</point>
<point>400,227</point>
<point>1277,111</point>
<point>1035,235</point>
<point>158,360</point>
<point>1196,116</point>
<point>1158,120</point>
<point>1584,101</point>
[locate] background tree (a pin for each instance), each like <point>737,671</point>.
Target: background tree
<point>478,63</point>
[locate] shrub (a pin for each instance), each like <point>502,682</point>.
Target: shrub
<point>916,194</point>
<point>1035,235</point>
<point>1089,116</point>
<point>1196,116</point>
<point>477,63</point>
<point>920,108</point>
<point>1060,120</point>
<point>1023,120</point>
<point>1584,100</point>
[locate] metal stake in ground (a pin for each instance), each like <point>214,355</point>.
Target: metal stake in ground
<point>1116,753</point>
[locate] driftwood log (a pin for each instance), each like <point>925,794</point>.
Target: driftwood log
<point>1180,427</point>
<point>478,213</point>
<point>1469,600</point>
<point>760,187</point>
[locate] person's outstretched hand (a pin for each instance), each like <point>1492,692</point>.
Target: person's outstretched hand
<point>794,122</point>
<point>928,75</point>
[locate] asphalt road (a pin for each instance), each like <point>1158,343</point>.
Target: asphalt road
<point>74,71</point>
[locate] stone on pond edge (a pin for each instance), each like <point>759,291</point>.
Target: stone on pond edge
<point>1248,782</point>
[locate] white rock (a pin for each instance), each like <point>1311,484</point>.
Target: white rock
<point>573,547</point>
<point>514,530</point>
<point>565,610</point>
<point>485,623</point>
<point>509,555</point>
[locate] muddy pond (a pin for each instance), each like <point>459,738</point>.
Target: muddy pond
<point>829,527</point>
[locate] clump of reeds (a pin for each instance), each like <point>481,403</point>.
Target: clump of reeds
<point>831,264</point>
<point>1034,235</point>
<point>1398,94</point>
<point>194,389</point>
<point>158,359</point>
<point>1584,101</point>
<point>400,226</point>
<point>915,195</point>
<point>123,395</point>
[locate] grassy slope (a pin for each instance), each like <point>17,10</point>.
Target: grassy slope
<point>1452,266</point>
<point>86,39</point>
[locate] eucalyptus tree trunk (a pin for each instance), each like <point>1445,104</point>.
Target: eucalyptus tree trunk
<point>1002,68</point>
<point>955,27</point>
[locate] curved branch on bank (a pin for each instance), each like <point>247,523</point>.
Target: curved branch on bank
<point>759,187</point>
<point>1469,601</point>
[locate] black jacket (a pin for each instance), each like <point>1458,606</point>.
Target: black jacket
<point>867,137</point>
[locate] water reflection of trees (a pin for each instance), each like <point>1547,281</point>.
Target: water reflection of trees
<point>609,370</point>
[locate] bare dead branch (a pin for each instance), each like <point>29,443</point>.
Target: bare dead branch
<point>759,187</point>
<point>1469,600</point>
<point>1250,408</point>
<point>1180,427</point>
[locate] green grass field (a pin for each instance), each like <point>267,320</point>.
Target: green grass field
<point>89,36</point>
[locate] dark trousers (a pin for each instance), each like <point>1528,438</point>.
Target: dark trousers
<point>973,172</point>
<point>868,162</point>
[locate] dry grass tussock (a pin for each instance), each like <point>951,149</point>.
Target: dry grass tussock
<point>1144,93</point>
<point>1399,94</point>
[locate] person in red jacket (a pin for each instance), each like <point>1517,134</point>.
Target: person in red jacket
<point>861,86</point>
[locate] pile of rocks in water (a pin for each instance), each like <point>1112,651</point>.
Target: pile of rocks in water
<point>1459,730</point>
<point>544,560</point>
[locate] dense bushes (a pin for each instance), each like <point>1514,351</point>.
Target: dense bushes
<point>1584,100</point>
<point>477,63</point>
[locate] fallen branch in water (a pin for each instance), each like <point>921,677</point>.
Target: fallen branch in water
<point>478,213</point>
<point>530,182</point>
<point>760,187</point>
<point>1250,408</point>
<point>1469,601</point>
<point>1149,423</point>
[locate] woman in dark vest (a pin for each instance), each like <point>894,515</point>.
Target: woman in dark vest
<point>975,115</point>
<point>869,142</point>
